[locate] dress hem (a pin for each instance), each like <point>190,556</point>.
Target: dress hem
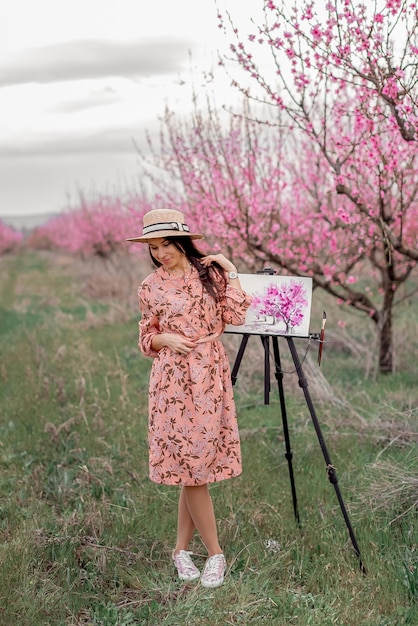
<point>194,484</point>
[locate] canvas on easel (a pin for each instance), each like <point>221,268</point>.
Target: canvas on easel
<point>281,305</point>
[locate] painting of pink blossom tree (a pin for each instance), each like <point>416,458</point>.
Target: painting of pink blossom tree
<point>284,303</point>
<point>281,305</point>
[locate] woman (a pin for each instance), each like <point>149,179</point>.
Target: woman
<point>193,431</point>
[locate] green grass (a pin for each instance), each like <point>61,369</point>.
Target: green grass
<point>86,538</point>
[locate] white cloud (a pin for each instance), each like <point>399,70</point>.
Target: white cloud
<point>102,97</point>
<point>82,59</point>
<point>110,140</point>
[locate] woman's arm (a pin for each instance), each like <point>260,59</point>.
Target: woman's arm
<point>235,301</point>
<point>227,266</point>
<point>176,343</point>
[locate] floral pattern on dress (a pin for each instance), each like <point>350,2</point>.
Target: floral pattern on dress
<point>192,429</point>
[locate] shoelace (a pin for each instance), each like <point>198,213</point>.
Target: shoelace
<point>215,566</point>
<point>183,559</point>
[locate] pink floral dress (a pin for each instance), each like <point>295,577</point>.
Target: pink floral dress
<point>193,430</point>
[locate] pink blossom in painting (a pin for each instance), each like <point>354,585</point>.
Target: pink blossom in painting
<point>284,303</point>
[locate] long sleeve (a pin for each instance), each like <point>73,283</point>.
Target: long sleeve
<point>234,305</point>
<point>148,324</point>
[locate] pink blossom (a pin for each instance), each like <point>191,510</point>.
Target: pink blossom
<point>308,14</point>
<point>10,239</point>
<point>316,32</point>
<point>391,88</point>
<point>393,5</point>
<point>343,215</point>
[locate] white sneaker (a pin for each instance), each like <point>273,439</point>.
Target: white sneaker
<point>186,569</point>
<point>214,572</point>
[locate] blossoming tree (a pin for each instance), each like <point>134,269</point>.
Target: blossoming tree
<point>316,48</point>
<point>270,198</point>
<point>9,238</point>
<point>93,227</point>
<point>344,74</point>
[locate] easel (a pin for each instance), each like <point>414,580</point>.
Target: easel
<point>303,383</point>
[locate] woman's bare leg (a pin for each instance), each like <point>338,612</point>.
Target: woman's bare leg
<point>185,524</point>
<point>202,516</point>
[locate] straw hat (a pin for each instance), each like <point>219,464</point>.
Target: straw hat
<point>164,223</point>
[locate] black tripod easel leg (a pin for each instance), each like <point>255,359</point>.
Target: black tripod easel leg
<point>240,354</point>
<point>266,346</point>
<point>332,476</point>
<point>288,453</point>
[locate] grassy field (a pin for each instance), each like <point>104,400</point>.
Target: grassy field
<point>86,538</point>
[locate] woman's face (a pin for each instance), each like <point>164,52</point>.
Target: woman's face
<point>167,254</point>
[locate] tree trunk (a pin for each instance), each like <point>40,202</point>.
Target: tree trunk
<point>385,334</point>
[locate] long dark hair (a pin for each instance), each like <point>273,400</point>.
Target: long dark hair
<point>212,277</point>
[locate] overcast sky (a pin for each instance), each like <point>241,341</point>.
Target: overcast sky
<point>81,79</point>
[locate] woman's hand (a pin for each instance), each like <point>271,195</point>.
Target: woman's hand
<point>221,260</point>
<point>176,343</point>
<point>226,265</point>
